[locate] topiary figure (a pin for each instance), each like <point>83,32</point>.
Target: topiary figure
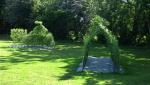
<point>39,36</point>
<point>98,26</point>
<point>39,29</point>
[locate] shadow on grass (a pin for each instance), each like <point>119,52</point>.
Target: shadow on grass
<point>3,67</point>
<point>134,60</point>
<point>23,55</point>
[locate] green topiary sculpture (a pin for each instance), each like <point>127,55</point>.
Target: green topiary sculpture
<point>98,26</point>
<point>39,36</point>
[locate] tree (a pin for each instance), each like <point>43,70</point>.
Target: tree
<point>2,5</point>
<point>82,10</point>
<point>129,19</point>
<point>18,13</point>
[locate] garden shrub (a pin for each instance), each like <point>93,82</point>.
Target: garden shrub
<point>39,36</point>
<point>18,34</point>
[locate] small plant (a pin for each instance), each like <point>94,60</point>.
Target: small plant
<point>39,36</point>
<point>18,34</point>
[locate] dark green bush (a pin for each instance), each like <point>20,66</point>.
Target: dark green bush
<point>18,34</point>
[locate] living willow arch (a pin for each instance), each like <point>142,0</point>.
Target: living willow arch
<point>98,26</point>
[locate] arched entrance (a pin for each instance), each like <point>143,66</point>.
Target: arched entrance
<point>98,26</point>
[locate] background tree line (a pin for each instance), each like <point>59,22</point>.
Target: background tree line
<point>129,20</point>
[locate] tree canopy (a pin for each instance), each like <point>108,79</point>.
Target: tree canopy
<point>129,19</point>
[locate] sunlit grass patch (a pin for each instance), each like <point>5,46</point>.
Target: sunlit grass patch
<point>58,67</point>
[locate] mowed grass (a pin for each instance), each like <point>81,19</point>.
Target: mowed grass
<point>58,67</point>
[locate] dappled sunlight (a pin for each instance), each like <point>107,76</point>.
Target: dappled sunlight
<point>29,55</point>
<point>60,65</point>
<point>5,43</point>
<point>5,53</point>
<point>143,59</point>
<point>65,47</point>
<point>130,56</point>
<point>76,47</point>
<point>105,82</point>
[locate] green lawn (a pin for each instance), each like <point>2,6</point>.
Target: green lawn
<point>58,67</point>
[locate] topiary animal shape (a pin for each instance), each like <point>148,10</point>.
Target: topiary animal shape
<point>40,36</point>
<point>40,29</point>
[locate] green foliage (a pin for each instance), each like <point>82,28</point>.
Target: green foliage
<point>39,36</point>
<point>33,39</point>
<point>57,21</point>
<point>38,23</point>
<point>129,19</point>
<point>87,40</point>
<point>39,29</point>
<point>18,13</point>
<point>2,3</point>
<point>18,34</point>
<point>49,40</point>
<point>98,26</point>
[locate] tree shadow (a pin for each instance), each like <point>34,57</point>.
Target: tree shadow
<point>4,67</point>
<point>91,81</point>
<point>22,54</point>
<point>91,78</point>
<point>134,61</point>
<point>131,59</point>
